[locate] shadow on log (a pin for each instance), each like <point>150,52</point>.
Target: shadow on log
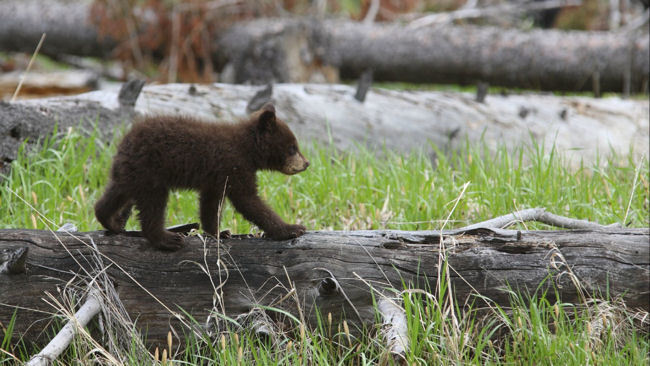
<point>335,272</point>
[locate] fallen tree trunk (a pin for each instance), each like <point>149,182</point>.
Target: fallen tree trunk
<point>582,129</point>
<point>334,272</point>
<point>308,50</point>
<point>29,122</point>
<point>537,59</point>
<point>39,84</point>
<point>67,24</point>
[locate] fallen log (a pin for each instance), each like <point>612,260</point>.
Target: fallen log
<point>308,50</point>
<point>66,23</point>
<point>582,129</point>
<point>334,272</point>
<point>536,59</point>
<point>29,123</point>
<point>38,84</point>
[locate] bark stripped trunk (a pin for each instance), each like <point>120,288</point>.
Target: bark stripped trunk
<point>583,129</point>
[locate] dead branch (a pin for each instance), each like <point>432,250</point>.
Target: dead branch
<point>394,328</point>
<point>489,11</point>
<point>538,215</point>
<point>62,340</point>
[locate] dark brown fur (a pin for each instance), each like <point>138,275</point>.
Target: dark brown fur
<point>163,153</point>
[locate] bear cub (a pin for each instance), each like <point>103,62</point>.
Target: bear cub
<point>216,159</point>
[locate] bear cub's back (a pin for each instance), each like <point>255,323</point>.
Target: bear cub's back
<point>177,151</point>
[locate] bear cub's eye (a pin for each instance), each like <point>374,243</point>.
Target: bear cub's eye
<point>293,149</point>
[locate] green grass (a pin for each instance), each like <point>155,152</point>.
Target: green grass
<point>346,191</point>
<point>61,181</point>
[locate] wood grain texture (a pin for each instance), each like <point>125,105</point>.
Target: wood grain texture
<point>330,271</point>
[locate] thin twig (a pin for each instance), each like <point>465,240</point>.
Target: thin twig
<point>29,66</point>
<point>636,178</point>
<point>442,257</point>
<point>173,52</point>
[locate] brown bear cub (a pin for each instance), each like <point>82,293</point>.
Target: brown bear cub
<point>216,159</point>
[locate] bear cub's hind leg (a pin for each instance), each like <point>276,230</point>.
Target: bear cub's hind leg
<point>111,207</point>
<point>152,219</point>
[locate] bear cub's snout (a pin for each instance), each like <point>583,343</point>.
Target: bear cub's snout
<point>295,164</point>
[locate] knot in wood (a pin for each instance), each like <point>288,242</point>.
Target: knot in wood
<point>327,286</point>
<point>12,260</point>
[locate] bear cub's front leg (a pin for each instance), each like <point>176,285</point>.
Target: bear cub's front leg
<point>258,212</point>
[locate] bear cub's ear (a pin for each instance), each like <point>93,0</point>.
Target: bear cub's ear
<point>267,116</point>
<point>268,107</point>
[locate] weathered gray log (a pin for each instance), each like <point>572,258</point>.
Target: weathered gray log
<point>66,22</point>
<point>300,50</point>
<point>33,121</point>
<point>329,271</point>
<point>53,83</point>
<point>536,59</point>
<point>578,127</point>
<point>276,52</point>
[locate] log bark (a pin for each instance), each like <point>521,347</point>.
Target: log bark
<point>334,272</point>
<point>583,129</point>
<point>302,50</point>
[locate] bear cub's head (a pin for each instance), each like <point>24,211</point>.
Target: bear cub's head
<point>276,143</point>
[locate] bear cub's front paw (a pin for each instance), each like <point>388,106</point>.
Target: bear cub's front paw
<point>287,232</point>
<point>171,242</point>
